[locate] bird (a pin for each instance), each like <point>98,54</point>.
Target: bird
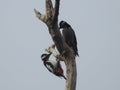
<point>69,36</point>
<point>52,66</point>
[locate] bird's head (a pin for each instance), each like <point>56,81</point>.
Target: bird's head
<point>63,24</point>
<point>45,57</point>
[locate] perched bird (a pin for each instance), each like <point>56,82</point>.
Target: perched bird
<point>69,36</point>
<point>53,66</point>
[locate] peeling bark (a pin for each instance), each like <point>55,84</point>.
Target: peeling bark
<point>50,18</point>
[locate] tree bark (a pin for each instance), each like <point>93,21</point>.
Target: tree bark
<point>51,20</point>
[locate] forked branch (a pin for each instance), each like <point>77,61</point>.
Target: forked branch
<point>50,18</point>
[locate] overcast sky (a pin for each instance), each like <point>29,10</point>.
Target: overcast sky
<point>23,38</point>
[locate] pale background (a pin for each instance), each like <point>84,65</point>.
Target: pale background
<point>23,39</point>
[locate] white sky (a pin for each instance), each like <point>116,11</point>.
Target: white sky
<point>23,39</point>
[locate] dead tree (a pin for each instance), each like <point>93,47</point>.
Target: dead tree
<point>50,18</point>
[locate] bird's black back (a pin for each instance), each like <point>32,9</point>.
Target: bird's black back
<point>70,39</point>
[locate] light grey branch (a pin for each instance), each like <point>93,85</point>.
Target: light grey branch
<point>49,6</point>
<point>52,50</point>
<point>39,15</point>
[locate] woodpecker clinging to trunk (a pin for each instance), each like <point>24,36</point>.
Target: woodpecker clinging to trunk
<point>69,36</point>
<point>53,66</point>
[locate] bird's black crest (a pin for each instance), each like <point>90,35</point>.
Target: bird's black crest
<point>64,24</point>
<point>45,56</point>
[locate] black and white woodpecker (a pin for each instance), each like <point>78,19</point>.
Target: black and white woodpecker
<point>69,36</point>
<point>53,66</point>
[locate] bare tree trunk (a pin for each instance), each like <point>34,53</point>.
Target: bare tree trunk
<point>51,20</point>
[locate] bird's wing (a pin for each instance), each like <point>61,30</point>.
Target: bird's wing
<point>73,41</point>
<point>49,66</point>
